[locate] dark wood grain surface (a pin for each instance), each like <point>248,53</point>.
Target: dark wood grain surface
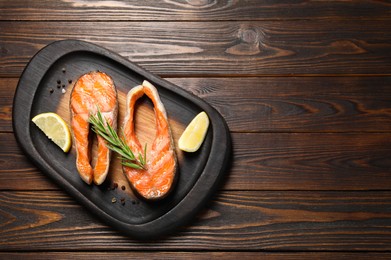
<point>232,48</point>
<point>305,88</point>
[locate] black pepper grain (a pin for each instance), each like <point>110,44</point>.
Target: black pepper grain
<point>115,185</point>
<point>51,90</point>
<point>69,81</point>
<point>123,201</point>
<point>58,81</point>
<point>63,70</point>
<point>123,187</point>
<point>58,86</point>
<point>63,85</point>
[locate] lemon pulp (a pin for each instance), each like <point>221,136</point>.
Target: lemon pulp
<point>55,128</point>
<point>194,134</point>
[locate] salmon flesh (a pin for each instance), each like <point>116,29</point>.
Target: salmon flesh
<point>157,178</point>
<point>92,91</point>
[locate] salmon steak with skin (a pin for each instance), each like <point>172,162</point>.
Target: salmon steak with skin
<point>158,177</point>
<point>94,91</point>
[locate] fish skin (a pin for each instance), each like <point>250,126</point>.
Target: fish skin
<point>160,174</point>
<point>92,91</point>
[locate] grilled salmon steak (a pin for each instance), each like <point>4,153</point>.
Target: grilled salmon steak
<point>159,174</point>
<point>92,91</point>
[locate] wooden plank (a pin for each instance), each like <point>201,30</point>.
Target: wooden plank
<point>297,104</point>
<point>279,104</point>
<point>300,221</point>
<point>329,161</point>
<point>193,10</point>
<point>264,161</point>
<point>195,255</point>
<point>7,90</point>
<point>17,171</point>
<point>216,48</point>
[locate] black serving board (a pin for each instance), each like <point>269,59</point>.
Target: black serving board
<point>199,172</point>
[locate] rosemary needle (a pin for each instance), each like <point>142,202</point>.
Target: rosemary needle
<point>101,127</point>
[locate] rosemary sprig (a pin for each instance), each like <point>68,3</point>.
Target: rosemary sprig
<point>117,144</point>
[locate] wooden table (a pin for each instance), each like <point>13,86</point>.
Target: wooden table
<point>305,88</point>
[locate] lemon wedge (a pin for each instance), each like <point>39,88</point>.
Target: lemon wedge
<point>194,134</point>
<point>55,128</point>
